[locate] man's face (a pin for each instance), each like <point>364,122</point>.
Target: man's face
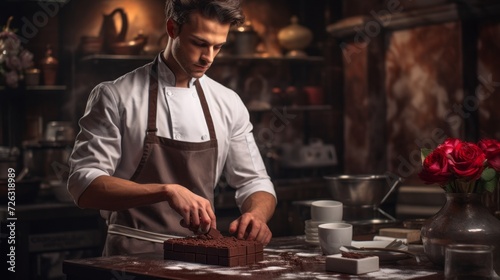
<point>197,43</point>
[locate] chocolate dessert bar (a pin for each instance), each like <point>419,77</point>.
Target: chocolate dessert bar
<point>224,251</point>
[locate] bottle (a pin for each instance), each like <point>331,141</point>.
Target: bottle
<point>49,66</point>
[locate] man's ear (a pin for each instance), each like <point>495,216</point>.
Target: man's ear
<point>172,28</point>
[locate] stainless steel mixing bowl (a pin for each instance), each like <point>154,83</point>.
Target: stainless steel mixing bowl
<point>361,190</point>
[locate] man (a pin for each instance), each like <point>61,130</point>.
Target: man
<point>154,142</point>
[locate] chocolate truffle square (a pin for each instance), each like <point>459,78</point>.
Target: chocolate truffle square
<point>259,257</point>
<point>211,259</point>
<point>201,258</point>
<point>168,246</point>
<point>233,261</point>
<point>250,258</point>
<point>242,260</point>
<point>201,249</point>
<point>213,251</point>
<point>179,247</point>
<point>229,252</point>
<point>259,247</point>
<point>250,246</point>
<point>188,257</point>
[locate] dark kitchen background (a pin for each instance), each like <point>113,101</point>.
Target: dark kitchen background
<point>379,80</point>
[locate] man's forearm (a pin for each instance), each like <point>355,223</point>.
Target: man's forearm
<point>261,204</point>
<point>111,193</point>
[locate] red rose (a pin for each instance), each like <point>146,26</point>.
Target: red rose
<point>435,168</point>
<point>467,161</point>
<point>491,149</point>
<point>449,144</point>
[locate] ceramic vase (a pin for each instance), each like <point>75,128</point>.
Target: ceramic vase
<point>465,220</point>
<point>295,38</point>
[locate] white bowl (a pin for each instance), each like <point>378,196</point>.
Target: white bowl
<point>312,235</point>
<point>315,228</point>
<point>312,238</point>
<point>313,224</point>
<point>312,242</point>
<point>311,230</point>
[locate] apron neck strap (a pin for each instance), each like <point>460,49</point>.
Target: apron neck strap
<point>206,111</point>
<point>153,100</point>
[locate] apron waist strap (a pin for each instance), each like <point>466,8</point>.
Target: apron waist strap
<point>139,233</point>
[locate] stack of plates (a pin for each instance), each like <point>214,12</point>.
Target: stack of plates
<point>311,230</point>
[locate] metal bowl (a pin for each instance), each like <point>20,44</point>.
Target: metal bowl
<point>361,190</point>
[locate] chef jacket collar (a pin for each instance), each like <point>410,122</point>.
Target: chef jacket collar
<point>166,77</point>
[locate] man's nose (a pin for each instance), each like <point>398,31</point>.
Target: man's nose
<point>208,55</point>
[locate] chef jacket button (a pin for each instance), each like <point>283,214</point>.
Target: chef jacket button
<point>177,136</point>
<point>194,95</point>
<point>169,93</point>
<point>204,137</point>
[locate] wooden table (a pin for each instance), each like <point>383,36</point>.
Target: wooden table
<point>284,258</point>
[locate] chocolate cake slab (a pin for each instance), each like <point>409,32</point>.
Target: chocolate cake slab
<point>224,251</point>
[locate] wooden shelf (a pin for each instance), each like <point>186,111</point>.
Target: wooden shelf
<point>284,59</point>
<point>114,57</point>
<point>55,89</point>
<point>223,58</point>
<point>37,88</point>
<point>306,108</point>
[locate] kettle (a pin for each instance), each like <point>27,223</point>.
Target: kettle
<point>108,32</point>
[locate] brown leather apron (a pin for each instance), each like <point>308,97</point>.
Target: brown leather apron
<point>165,161</point>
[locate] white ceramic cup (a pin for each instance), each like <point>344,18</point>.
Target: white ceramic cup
<point>326,211</point>
<point>332,236</point>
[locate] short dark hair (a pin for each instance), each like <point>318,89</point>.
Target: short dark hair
<point>225,11</point>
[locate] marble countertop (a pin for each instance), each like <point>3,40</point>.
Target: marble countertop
<point>284,258</point>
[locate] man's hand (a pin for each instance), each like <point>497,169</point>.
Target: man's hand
<point>250,227</point>
<point>257,209</point>
<point>196,211</point>
<point>114,194</point>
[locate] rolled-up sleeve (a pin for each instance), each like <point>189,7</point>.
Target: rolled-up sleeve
<point>97,146</point>
<point>245,170</point>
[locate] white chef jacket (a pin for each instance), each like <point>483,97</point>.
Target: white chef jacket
<point>113,130</point>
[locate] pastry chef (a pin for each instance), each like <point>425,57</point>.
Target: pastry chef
<point>153,143</point>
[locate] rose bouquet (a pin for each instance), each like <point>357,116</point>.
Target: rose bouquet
<point>462,167</point>
<point>14,60</point>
